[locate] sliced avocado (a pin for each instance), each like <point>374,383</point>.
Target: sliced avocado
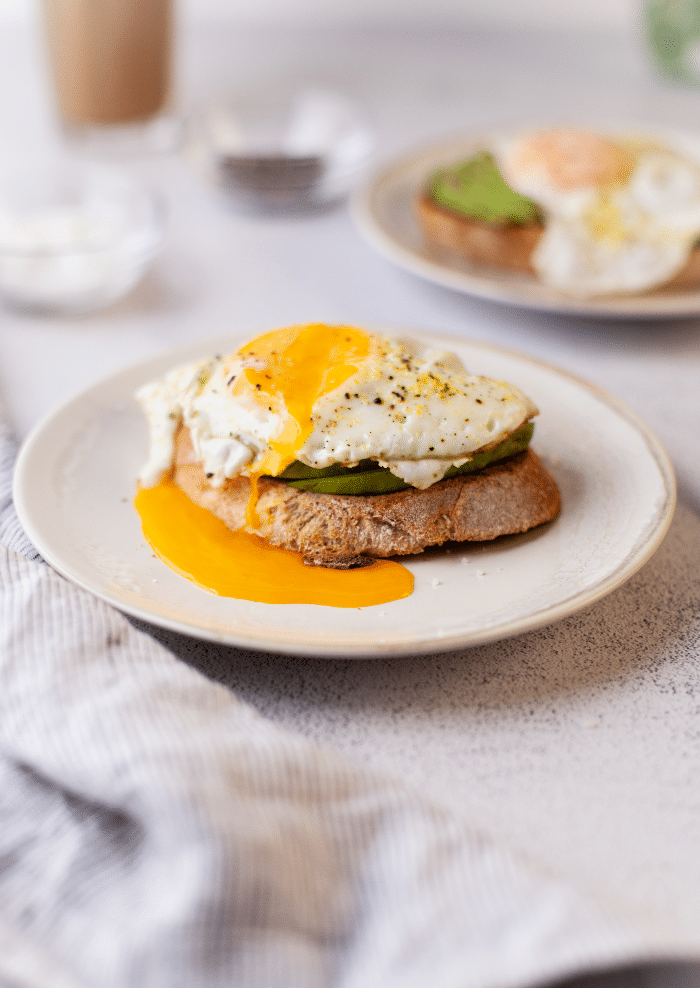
<point>476,189</point>
<point>367,478</point>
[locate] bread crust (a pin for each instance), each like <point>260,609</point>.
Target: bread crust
<point>508,246</point>
<point>341,530</point>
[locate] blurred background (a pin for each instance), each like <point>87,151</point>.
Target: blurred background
<point>584,13</point>
<point>417,70</point>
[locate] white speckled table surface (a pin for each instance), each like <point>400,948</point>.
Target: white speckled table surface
<point>578,744</point>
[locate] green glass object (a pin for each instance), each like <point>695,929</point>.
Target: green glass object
<point>673,35</point>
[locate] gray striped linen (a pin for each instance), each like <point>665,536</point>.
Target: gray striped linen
<point>156,832</point>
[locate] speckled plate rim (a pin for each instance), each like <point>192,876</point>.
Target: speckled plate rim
<point>35,470</point>
<point>383,212</point>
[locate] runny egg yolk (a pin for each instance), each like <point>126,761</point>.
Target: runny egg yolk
<point>197,545</point>
<point>298,365</point>
<point>301,364</point>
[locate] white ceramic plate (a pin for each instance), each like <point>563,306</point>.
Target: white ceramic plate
<point>75,480</point>
<point>384,213</point>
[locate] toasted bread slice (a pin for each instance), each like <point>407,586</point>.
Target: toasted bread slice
<point>510,246</point>
<point>340,530</point>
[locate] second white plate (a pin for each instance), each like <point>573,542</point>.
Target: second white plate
<point>75,480</point>
<point>384,212</point>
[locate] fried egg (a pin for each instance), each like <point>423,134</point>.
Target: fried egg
<point>329,395</point>
<point>621,214</point>
<point>322,395</point>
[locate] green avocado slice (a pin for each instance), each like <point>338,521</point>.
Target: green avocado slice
<point>476,189</point>
<point>367,478</point>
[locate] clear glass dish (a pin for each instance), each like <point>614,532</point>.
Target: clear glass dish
<point>284,152</point>
<point>74,238</point>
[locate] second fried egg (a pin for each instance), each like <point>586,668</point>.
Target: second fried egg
<point>622,215</point>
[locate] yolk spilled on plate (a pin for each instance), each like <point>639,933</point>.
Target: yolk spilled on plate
<point>197,545</point>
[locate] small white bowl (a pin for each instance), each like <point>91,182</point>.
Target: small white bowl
<point>74,238</point>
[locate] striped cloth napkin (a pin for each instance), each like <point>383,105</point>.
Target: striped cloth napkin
<point>156,832</point>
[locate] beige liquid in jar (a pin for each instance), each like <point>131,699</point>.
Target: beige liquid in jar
<point>111,59</point>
